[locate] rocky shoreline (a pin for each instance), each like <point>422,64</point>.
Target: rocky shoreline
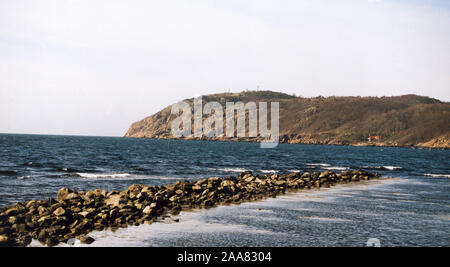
<point>287,140</point>
<point>75,214</point>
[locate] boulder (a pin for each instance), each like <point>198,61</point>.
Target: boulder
<point>95,194</point>
<point>59,212</point>
<point>24,240</point>
<point>134,190</point>
<point>51,241</point>
<point>11,211</point>
<point>147,210</point>
<point>32,204</point>
<point>43,211</point>
<point>147,189</point>
<point>197,188</point>
<point>4,240</point>
<point>113,200</point>
<point>63,193</point>
<point>143,195</point>
<point>249,178</point>
<point>179,192</point>
<point>243,174</point>
<point>86,214</point>
<point>306,175</point>
<point>228,183</point>
<point>113,192</point>
<point>19,228</point>
<point>45,220</point>
<point>201,182</point>
<point>85,239</point>
<point>325,174</point>
<point>213,180</point>
<point>12,219</point>
<point>72,196</point>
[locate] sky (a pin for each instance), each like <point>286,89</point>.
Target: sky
<point>92,67</point>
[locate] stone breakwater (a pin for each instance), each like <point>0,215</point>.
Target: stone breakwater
<point>74,214</point>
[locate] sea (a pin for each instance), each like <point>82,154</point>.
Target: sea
<point>410,206</point>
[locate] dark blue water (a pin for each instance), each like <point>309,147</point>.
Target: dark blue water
<point>413,209</point>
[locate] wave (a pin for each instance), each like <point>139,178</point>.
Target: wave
<point>8,173</point>
<point>69,170</point>
<point>165,178</point>
<point>125,177</point>
<point>437,175</point>
<point>102,175</point>
<point>230,169</point>
<point>318,164</point>
<point>392,168</point>
<point>388,168</point>
<point>326,166</point>
<point>24,177</point>
<point>34,164</point>
<point>336,168</point>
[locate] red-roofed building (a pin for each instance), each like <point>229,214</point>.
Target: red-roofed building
<point>374,138</point>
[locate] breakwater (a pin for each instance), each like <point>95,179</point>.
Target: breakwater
<point>75,214</point>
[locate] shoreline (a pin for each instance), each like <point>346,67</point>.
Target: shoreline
<point>249,140</point>
<point>246,140</point>
<point>75,214</point>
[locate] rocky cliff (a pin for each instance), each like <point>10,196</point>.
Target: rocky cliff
<point>408,120</point>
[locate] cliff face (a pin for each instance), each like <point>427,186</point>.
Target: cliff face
<point>408,120</point>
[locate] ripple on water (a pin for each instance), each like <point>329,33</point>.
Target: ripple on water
<point>326,219</point>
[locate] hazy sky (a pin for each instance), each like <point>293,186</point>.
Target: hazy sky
<point>94,67</point>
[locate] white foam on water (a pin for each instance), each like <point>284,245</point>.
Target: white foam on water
<point>437,175</point>
<point>123,176</point>
<point>319,164</point>
<point>231,169</point>
<point>164,178</point>
<point>337,168</point>
<point>392,168</point>
<point>102,175</point>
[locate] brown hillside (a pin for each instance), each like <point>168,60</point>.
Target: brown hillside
<point>408,120</point>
